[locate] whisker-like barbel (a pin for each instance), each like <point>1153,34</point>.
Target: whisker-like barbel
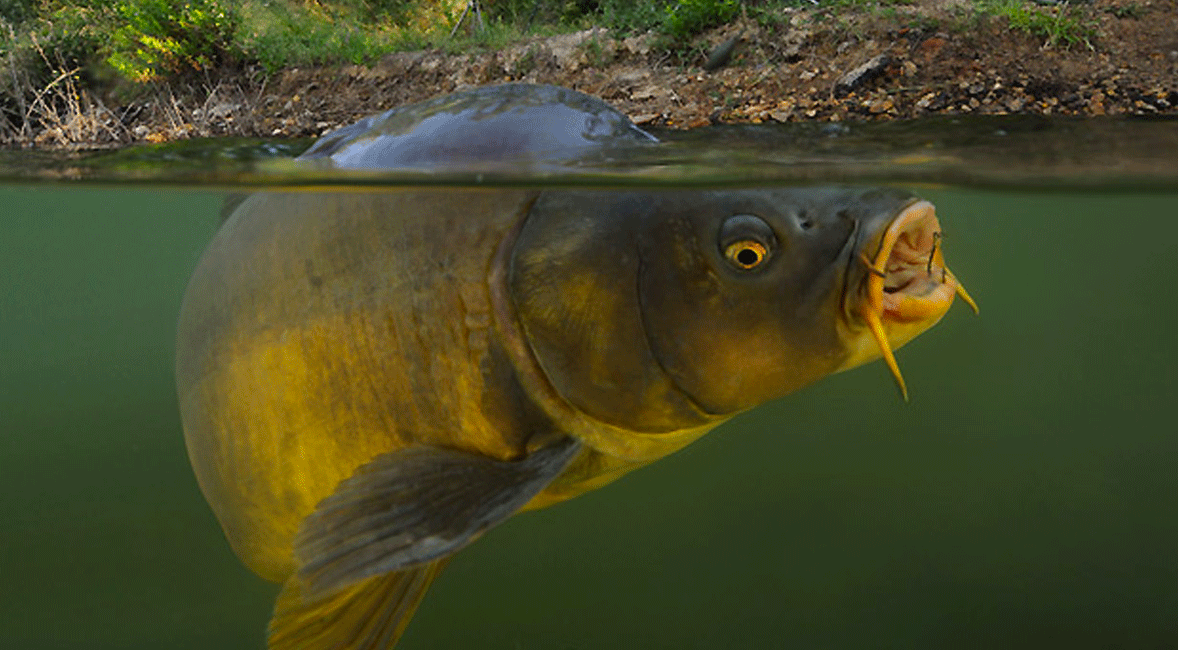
<point>871,267</point>
<point>933,253</point>
<point>875,324</point>
<point>964,294</point>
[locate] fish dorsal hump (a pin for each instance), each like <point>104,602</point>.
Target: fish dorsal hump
<point>508,124</point>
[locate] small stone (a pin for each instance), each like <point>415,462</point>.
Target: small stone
<point>649,92</point>
<point>881,106</point>
<point>865,72</point>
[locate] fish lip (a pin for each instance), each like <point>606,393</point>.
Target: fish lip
<point>903,288</point>
<point>906,279</point>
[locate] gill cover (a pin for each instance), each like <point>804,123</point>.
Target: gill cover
<point>573,279</point>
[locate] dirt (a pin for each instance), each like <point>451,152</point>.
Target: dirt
<point>915,60</point>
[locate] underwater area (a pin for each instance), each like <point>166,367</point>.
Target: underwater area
<point>1024,498</point>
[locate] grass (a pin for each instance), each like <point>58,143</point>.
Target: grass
<point>1061,25</point>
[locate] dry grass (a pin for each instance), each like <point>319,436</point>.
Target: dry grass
<point>59,113</point>
<point>62,114</point>
<point>198,110</point>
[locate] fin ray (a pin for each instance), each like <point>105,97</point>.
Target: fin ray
<point>414,506</point>
<point>368,615</point>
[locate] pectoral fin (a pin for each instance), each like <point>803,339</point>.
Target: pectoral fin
<point>368,615</point>
<point>413,506</point>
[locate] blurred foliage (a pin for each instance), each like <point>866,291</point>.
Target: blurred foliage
<point>690,17</point>
<point>15,12</point>
<point>155,38</point>
<point>65,36</point>
<point>141,40</point>
<point>674,19</point>
<point>63,42</point>
<point>541,12</point>
<point>276,35</point>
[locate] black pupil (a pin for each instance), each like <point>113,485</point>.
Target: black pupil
<point>748,257</point>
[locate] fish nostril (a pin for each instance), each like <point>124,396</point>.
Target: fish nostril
<point>804,221</point>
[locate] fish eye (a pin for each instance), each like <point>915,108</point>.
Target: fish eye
<point>746,241</point>
<point>746,254</point>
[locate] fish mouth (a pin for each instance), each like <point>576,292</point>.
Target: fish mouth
<point>907,288</point>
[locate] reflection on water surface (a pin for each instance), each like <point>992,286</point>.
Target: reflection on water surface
<point>1002,152</point>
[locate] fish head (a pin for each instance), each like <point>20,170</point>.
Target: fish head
<point>749,295</point>
<point>659,310</point>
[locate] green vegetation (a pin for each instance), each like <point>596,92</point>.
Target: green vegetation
<point>148,39</point>
<point>1061,25</point>
<point>157,37</point>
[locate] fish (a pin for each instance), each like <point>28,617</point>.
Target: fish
<point>371,380</point>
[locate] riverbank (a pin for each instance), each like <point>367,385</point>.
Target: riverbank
<point>1115,57</point>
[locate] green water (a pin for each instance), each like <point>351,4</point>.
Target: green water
<point>1025,498</point>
